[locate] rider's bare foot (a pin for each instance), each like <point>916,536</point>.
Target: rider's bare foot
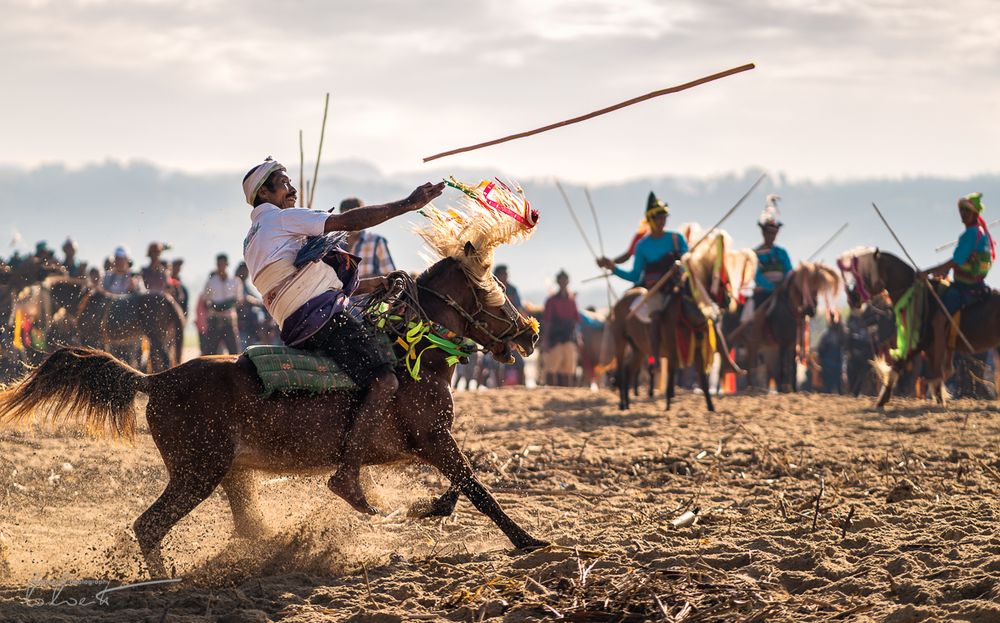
<point>350,490</point>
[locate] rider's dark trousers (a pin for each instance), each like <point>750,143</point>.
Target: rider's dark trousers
<point>221,328</point>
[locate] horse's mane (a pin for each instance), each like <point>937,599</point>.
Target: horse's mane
<point>818,277</point>
<point>469,231</point>
<point>740,264</point>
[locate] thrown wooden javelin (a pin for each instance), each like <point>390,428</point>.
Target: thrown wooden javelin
<point>596,113</point>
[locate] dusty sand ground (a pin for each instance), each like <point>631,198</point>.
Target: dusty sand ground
<point>919,486</point>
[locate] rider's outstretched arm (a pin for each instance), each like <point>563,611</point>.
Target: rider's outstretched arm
<point>370,216</point>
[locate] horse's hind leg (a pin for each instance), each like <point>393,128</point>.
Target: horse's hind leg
<point>240,486</point>
<point>186,489</point>
<point>443,453</point>
<point>159,358</point>
<point>443,506</point>
<point>624,384</point>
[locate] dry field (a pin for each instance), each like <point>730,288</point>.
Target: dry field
<point>808,508</point>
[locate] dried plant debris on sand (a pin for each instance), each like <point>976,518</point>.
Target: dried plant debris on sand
<point>776,508</point>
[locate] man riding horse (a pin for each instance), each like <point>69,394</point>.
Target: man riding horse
<point>773,263</point>
<point>310,303</point>
<point>655,255</point>
<point>970,263</point>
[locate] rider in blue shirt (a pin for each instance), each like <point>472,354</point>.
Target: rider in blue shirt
<point>655,255</point>
<point>773,263</point>
<point>970,263</point>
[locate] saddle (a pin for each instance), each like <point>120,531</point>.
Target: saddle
<point>390,314</point>
<point>285,369</point>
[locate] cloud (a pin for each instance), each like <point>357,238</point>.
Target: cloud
<point>843,87</point>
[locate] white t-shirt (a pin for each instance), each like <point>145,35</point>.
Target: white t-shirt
<point>219,290</point>
<point>278,234</point>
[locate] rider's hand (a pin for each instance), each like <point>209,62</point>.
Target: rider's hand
<point>605,263</point>
<point>424,194</point>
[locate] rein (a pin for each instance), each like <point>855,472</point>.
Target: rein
<point>401,314</point>
<point>859,283</point>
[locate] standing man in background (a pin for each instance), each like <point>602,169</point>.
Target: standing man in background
<point>74,268</point>
<point>369,246</point>
<point>221,295</point>
<point>154,276</point>
<point>176,287</point>
<point>119,278</point>
<point>559,329</point>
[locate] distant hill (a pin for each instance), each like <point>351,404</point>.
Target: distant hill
<point>112,203</point>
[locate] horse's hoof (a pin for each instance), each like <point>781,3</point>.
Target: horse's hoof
<point>531,545</point>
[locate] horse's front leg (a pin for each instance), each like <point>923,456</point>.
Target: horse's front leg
<point>889,379</point>
<point>443,453</point>
<point>699,360</point>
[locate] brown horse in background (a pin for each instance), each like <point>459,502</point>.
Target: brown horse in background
<point>213,427</point>
<point>117,322</point>
<point>878,272</point>
<point>631,333</point>
<point>782,321</point>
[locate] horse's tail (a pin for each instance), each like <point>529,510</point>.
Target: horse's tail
<point>81,385</point>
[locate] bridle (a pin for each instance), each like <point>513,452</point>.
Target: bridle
<point>511,331</point>
<point>403,299</point>
<point>851,269</point>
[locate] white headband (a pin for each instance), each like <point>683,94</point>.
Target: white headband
<point>258,175</point>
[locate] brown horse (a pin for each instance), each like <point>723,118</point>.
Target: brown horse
<point>782,321</point>
<point>874,271</point>
<point>117,322</point>
<point>632,334</point>
<point>212,427</point>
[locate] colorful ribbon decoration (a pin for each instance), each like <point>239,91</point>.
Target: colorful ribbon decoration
<point>481,193</point>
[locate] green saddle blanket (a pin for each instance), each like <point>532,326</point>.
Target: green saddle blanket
<point>284,369</point>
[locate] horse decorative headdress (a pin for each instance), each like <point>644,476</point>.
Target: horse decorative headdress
<point>486,216</point>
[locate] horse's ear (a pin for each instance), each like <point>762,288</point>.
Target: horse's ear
<point>469,249</point>
<point>875,255</point>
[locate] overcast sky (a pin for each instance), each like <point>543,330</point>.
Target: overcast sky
<point>843,88</point>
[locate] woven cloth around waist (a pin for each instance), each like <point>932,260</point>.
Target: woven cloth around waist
<point>287,288</point>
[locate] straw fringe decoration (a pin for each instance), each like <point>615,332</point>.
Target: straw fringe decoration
<point>485,216</point>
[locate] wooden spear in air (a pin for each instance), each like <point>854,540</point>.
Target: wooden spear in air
<point>596,113</point>
<point>930,287</point>
<point>302,173</point>
<point>827,243</point>
<point>948,245</point>
<point>319,154</point>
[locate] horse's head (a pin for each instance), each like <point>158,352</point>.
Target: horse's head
<point>476,308</point>
<point>465,236</point>
<point>807,283</point>
<point>859,268</point>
